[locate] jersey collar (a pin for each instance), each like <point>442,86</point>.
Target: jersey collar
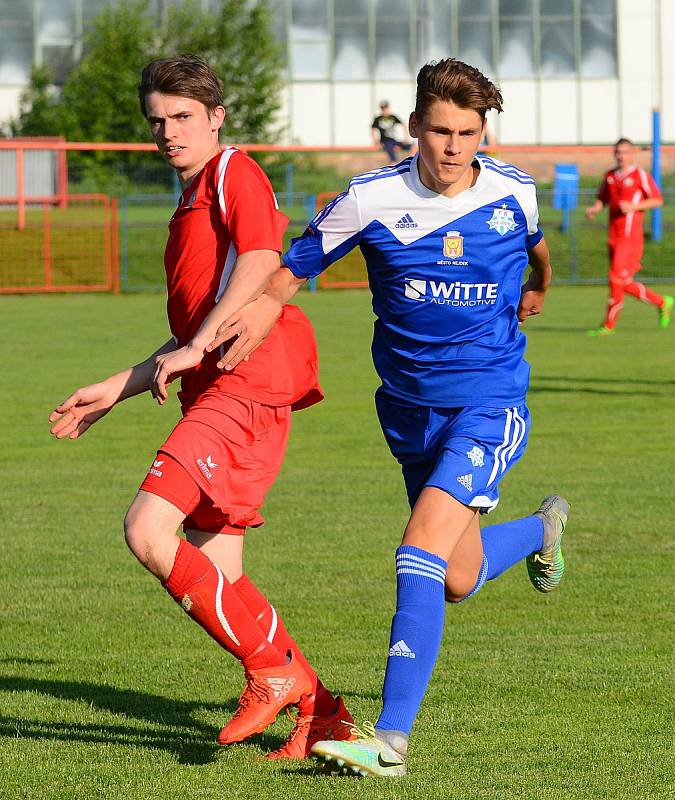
<point>424,191</point>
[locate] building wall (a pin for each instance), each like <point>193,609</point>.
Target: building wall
<point>326,110</point>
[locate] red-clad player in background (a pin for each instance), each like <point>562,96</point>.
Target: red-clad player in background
<point>629,191</point>
<point>212,472</point>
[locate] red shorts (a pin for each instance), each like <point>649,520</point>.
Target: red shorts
<point>220,460</point>
<point>624,257</point>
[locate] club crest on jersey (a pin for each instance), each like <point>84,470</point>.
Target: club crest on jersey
<point>502,220</point>
<point>453,244</point>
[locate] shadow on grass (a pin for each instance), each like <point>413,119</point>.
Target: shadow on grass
<point>612,386</point>
<point>173,724</point>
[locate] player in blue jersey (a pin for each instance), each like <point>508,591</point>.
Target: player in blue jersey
<point>447,236</point>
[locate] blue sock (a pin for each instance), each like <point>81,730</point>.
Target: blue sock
<point>416,633</point>
<point>506,544</point>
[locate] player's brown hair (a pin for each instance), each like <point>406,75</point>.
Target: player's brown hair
<point>623,140</point>
<point>184,76</point>
<point>457,82</point>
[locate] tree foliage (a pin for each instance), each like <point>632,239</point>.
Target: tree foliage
<point>37,106</point>
<point>99,102</point>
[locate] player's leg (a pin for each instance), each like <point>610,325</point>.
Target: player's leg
<point>484,554</point>
<point>321,714</point>
<point>389,147</point>
<point>663,303</point>
<point>614,301</point>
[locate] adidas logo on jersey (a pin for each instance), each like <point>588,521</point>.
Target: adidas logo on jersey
<point>466,481</point>
<point>281,687</point>
<point>401,649</point>
<point>406,221</point>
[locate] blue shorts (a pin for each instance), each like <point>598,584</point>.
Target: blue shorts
<point>463,451</point>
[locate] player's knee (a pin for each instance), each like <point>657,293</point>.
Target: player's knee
<point>138,535</point>
<point>458,585</point>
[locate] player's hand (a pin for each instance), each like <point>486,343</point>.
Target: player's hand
<point>626,207</point>
<point>531,299</point>
<point>81,410</point>
<point>247,329</point>
<point>591,212</point>
<point>170,366</point>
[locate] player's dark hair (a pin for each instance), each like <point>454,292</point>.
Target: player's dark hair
<point>457,82</point>
<point>183,76</point>
<point>623,140</point>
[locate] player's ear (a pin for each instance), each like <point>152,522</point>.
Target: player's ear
<point>412,124</point>
<point>217,117</point>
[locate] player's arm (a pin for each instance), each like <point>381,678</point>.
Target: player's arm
<point>641,205</point>
<point>250,326</point>
<point>534,289</point>
<point>88,404</point>
<point>595,209</point>
<point>250,275</point>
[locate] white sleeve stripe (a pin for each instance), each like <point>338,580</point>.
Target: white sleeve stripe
<point>227,270</point>
<point>222,168</point>
<point>646,188</point>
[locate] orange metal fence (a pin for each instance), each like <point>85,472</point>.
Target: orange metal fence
<point>69,247</point>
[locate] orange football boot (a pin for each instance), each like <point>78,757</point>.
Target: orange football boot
<point>310,729</point>
<point>267,691</point>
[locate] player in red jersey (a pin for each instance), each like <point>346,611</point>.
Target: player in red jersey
<point>212,472</point>
<point>629,191</point>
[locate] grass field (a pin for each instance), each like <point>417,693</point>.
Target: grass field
<point>107,690</point>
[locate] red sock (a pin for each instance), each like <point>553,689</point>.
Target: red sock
<point>643,293</point>
<point>206,595</point>
<point>274,630</point>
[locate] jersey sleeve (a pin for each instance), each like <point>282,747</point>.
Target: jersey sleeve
<point>650,187</point>
<point>333,232</point>
<point>603,192</point>
<point>248,206</point>
<point>531,209</point>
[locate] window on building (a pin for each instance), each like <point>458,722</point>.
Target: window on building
<point>556,39</point>
<point>310,40</point>
<point>505,39</point>
<point>352,44</point>
<point>598,38</point>
<point>475,29</point>
<point>516,39</point>
<point>392,39</point>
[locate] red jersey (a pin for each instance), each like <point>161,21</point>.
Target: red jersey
<point>633,185</point>
<point>229,209</point>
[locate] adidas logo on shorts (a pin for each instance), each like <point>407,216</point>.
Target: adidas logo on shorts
<point>466,481</point>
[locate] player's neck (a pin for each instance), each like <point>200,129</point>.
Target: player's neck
<point>466,180</point>
<point>187,174</point>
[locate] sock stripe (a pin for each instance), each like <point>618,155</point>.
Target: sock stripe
<point>412,567</point>
<point>273,626</point>
<point>407,559</point>
<point>423,574</point>
<point>219,607</point>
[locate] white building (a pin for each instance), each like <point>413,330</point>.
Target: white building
<point>571,71</point>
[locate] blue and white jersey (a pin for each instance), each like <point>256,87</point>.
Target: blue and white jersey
<point>445,275</point>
